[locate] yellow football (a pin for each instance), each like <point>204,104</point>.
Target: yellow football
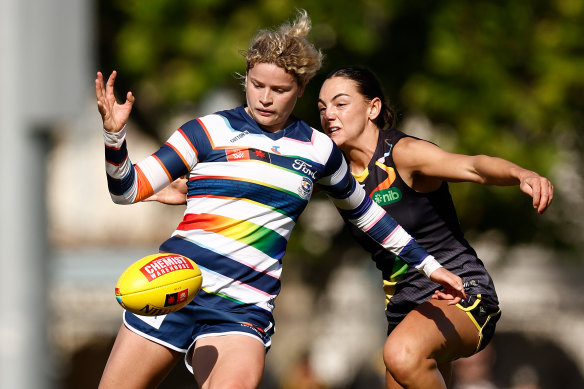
<point>158,284</point>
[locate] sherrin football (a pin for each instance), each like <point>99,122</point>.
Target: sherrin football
<point>158,284</point>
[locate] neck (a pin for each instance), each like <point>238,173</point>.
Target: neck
<point>360,150</point>
<point>271,129</point>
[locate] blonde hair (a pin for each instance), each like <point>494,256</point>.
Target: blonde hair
<point>288,48</point>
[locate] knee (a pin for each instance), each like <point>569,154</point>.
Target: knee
<point>403,361</point>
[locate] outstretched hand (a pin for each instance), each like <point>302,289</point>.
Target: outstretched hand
<point>452,284</point>
<point>114,115</point>
<point>539,188</point>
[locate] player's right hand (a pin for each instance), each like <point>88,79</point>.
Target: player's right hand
<point>174,194</point>
<point>113,115</point>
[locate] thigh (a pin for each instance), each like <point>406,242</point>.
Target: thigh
<point>222,361</point>
<point>136,362</point>
<point>437,330</point>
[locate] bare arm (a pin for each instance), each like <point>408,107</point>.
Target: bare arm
<point>424,165</point>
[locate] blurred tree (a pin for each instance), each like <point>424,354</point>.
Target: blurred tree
<point>495,77</point>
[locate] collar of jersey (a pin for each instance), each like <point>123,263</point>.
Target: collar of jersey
<point>273,135</point>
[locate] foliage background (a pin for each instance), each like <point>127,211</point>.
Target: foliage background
<point>489,76</point>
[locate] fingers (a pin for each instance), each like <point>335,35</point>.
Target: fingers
<point>106,91</point>
<point>455,282</point>
<point>540,189</point>
<point>109,87</point>
<point>453,299</point>
<point>456,285</point>
<point>100,94</point>
<point>535,189</point>
<point>542,193</point>
<point>547,194</point>
<point>451,282</point>
<point>114,115</point>
<point>99,91</point>
<point>130,98</point>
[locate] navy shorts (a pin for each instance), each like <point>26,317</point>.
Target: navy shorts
<point>179,330</point>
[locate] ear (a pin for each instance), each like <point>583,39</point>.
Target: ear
<point>374,108</point>
<point>301,88</point>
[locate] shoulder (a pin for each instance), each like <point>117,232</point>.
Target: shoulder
<point>303,131</point>
<point>408,145</point>
<point>321,136</point>
<point>391,135</point>
<point>307,137</point>
<point>220,117</point>
<point>322,142</point>
<point>211,122</point>
<point>308,143</point>
<point>412,155</point>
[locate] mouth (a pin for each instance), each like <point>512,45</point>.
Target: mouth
<point>264,112</point>
<point>332,130</point>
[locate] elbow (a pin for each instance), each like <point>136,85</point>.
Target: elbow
<point>120,200</point>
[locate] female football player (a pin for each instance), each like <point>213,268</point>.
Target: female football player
<point>251,171</point>
<point>409,178</point>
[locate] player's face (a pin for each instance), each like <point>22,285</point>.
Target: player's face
<point>344,112</point>
<point>271,94</point>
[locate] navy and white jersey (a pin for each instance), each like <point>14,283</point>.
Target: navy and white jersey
<point>246,190</point>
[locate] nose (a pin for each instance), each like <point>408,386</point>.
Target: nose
<point>327,114</point>
<point>266,97</point>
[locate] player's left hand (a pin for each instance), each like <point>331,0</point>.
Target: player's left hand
<point>453,289</point>
<point>539,188</point>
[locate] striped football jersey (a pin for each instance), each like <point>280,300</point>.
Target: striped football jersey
<point>246,190</point>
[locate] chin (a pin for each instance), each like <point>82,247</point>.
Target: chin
<point>266,123</point>
<point>337,138</point>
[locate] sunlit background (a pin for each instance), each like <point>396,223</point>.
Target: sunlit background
<point>504,78</point>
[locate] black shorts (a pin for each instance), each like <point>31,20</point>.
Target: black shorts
<point>482,309</point>
<point>484,312</point>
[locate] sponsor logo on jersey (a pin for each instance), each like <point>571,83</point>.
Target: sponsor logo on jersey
<point>387,196</point>
<point>164,265</point>
<point>239,136</point>
<point>247,154</point>
<point>176,298</point>
<point>275,149</point>
<point>237,154</point>
<point>305,188</point>
<point>259,155</point>
<point>304,167</point>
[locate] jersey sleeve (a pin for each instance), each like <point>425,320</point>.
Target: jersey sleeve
<point>130,183</point>
<point>355,206</point>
